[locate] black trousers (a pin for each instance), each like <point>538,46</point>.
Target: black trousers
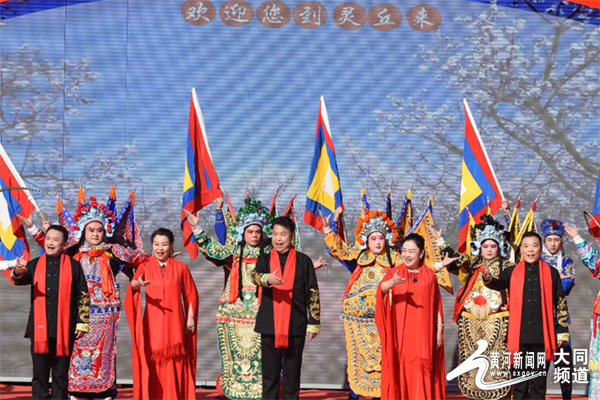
<point>533,388</point>
<point>271,367</point>
<point>42,364</point>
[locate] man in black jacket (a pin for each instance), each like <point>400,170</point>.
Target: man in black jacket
<point>59,314</point>
<point>536,299</point>
<point>289,310</point>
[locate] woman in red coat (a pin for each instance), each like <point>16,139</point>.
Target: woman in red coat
<point>164,340</point>
<point>409,319</point>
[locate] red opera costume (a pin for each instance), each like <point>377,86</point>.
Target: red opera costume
<point>163,353</point>
<point>411,366</point>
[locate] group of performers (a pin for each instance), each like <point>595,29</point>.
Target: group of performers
<point>513,297</point>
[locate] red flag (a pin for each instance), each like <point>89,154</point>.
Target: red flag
<point>200,184</point>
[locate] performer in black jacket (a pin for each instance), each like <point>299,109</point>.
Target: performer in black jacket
<point>536,299</point>
<point>289,310</point>
<point>60,310</point>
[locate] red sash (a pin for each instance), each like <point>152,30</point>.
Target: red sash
<point>106,277</point>
<point>40,326</point>
<point>234,277</point>
<point>517,285</point>
<point>282,296</point>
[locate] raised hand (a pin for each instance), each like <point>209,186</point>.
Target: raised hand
<point>28,222</point>
<point>448,260</point>
<point>192,219</point>
<point>274,279</point>
<point>139,283</point>
<point>396,279</point>
<point>436,234</point>
<point>46,224</point>
<point>325,220</point>
<point>220,201</point>
<point>505,206</point>
<point>20,269</point>
<point>338,212</point>
<point>485,273</point>
<point>571,231</point>
<point>21,262</point>
<point>319,263</point>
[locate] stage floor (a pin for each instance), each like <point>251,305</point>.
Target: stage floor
<point>23,392</point>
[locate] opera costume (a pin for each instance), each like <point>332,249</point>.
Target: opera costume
<point>163,352</point>
<point>92,372</point>
<point>481,312</point>
<point>239,344</point>
<point>412,366</point>
<point>591,259</point>
<point>287,313</point>
<point>363,344</point>
<point>565,266</point>
<point>60,305</point>
<point>536,300</point>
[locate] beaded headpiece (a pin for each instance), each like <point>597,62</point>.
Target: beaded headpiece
<point>251,214</point>
<point>375,221</point>
<point>92,211</point>
<point>490,228</point>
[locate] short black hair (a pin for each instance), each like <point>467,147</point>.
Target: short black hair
<point>286,222</point>
<point>163,232</point>
<point>417,239</point>
<point>61,229</point>
<point>532,234</point>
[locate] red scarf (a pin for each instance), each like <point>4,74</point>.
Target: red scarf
<point>234,278</point>
<point>391,321</point>
<point>40,327</point>
<point>106,277</point>
<point>517,285</point>
<point>282,296</point>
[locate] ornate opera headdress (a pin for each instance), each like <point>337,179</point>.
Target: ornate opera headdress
<point>490,228</point>
<point>251,214</point>
<point>374,221</point>
<point>91,211</point>
<point>121,227</point>
<point>553,227</point>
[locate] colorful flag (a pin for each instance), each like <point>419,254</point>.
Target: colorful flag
<point>432,250</point>
<point>515,226</point>
<point>593,219</point>
<point>364,204</point>
<point>111,203</point>
<point>479,181</point>
<point>65,220</point>
<point>200,183</point>
<point>405,220</point>
<point>273,209</point>
<point>324,192</point>
<point>126,229</point>
<point>388,204</point>
<point>13,242</point>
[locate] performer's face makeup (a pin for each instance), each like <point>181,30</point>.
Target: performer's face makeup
<point>553,243</point>
<point>531,248</point>
<point>253,235</point>
<point>161,248</point>
<point>282,238</point>
<point>55,243</point>
<point>94,233</point>
<point>376,243</point>
<point>411,254</point>
<point>489,250</point>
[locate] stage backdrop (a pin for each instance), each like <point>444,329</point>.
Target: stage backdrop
<point>99,91</point>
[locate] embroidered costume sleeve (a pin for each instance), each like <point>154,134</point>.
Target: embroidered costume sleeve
<point>589,256</point>
<point>212,249</point>
<point>561,310</point>
<point>314,303</point>
<point>82,295</point>
<point>340,249</point>
<point>131,258</point>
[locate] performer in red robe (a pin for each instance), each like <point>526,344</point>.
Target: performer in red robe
<point>410,325</point>
<point>164,339</point>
